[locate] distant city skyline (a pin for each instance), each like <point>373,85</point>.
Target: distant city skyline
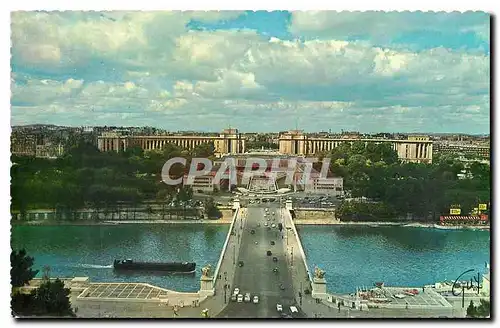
<point>370,72</point>
<point>248,131</point>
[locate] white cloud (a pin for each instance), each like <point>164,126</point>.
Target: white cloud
<point>382,27</point>
<point>164,69</point>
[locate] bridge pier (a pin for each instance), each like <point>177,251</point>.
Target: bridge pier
<point>206,286</point>
<point>319,288</point>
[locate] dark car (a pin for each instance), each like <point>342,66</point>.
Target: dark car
<point>275,259</point>
<point>252,232</point>
<point>282,287</point>
<point>272,242</point>
<point>275,270</point>
<point>240,264</point>
<point>269,253</point>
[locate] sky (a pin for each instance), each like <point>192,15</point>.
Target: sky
<point>256,71</point>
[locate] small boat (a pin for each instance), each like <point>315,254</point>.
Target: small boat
<point>399,296</point>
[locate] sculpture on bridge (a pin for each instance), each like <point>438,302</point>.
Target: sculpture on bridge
<point>318,273</point>
<point>205,271</point>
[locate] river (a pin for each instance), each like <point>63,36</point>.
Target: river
<point>351,255</point>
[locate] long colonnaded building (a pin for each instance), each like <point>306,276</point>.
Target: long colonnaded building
<point>415,149</point>
<point>230,141</point>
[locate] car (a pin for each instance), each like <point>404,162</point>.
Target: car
<point>240,264</point>
<point>272,242</point>
<point>240,298</point>
<point>265,224</point>
<point>236,291</point>
<point>293,309</point>
<point>273,225</point>
<point>252,232</point>
<point>269,253</point>
<point>282,287</point>
<point>247,297</point>
<point>279,307</point>
<point>275,259</point>
<point>275,270</point>
<point>233,298</point>
<point>256,243</point>
<point>255,299</point>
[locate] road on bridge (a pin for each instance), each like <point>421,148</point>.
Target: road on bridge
<point>257,275</point>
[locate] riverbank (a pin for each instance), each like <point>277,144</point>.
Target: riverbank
<point>392,224</point>
<point>116,222</point>
<point>227,220</point>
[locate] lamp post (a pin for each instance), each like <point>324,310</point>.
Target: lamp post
<point>291,254</point>
<point>234,254</point>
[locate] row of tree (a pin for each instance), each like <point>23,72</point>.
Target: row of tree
<point>424,190</point>
<point>86,177</point>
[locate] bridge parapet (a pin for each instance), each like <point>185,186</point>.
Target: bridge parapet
<point>226,243</point>
<point>300,270</point>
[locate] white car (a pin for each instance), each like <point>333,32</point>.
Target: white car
<point>273,225</point>
<point>247,297</point>
<point>255,299</point>
<point>279,308</point>
<point>240,298</point>
<point>236,291</point>
<point>265,224</point>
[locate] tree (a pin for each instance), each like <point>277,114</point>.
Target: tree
<point>211,209</point>
<point>480,311</point>
<point>21,272</point>
<point>50,299</point>
<point>483,310</point>
<point>184,195</point>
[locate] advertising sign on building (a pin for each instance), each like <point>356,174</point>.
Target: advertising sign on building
<point>455,211</point>
<point>483,207</point>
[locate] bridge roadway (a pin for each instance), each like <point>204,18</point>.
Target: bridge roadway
<point>256,276</point>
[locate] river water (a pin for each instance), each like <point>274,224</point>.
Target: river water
<point>351,255</point>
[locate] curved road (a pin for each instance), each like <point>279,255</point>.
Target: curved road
<point>256,276</point>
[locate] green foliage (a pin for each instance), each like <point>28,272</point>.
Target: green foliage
<point>471,310</point>
<point>211,209</point>
<point>50,299</point>
<point>85,177</point>
<point>480,311</point>
<point>424,190</point>
<point>21,272</point>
